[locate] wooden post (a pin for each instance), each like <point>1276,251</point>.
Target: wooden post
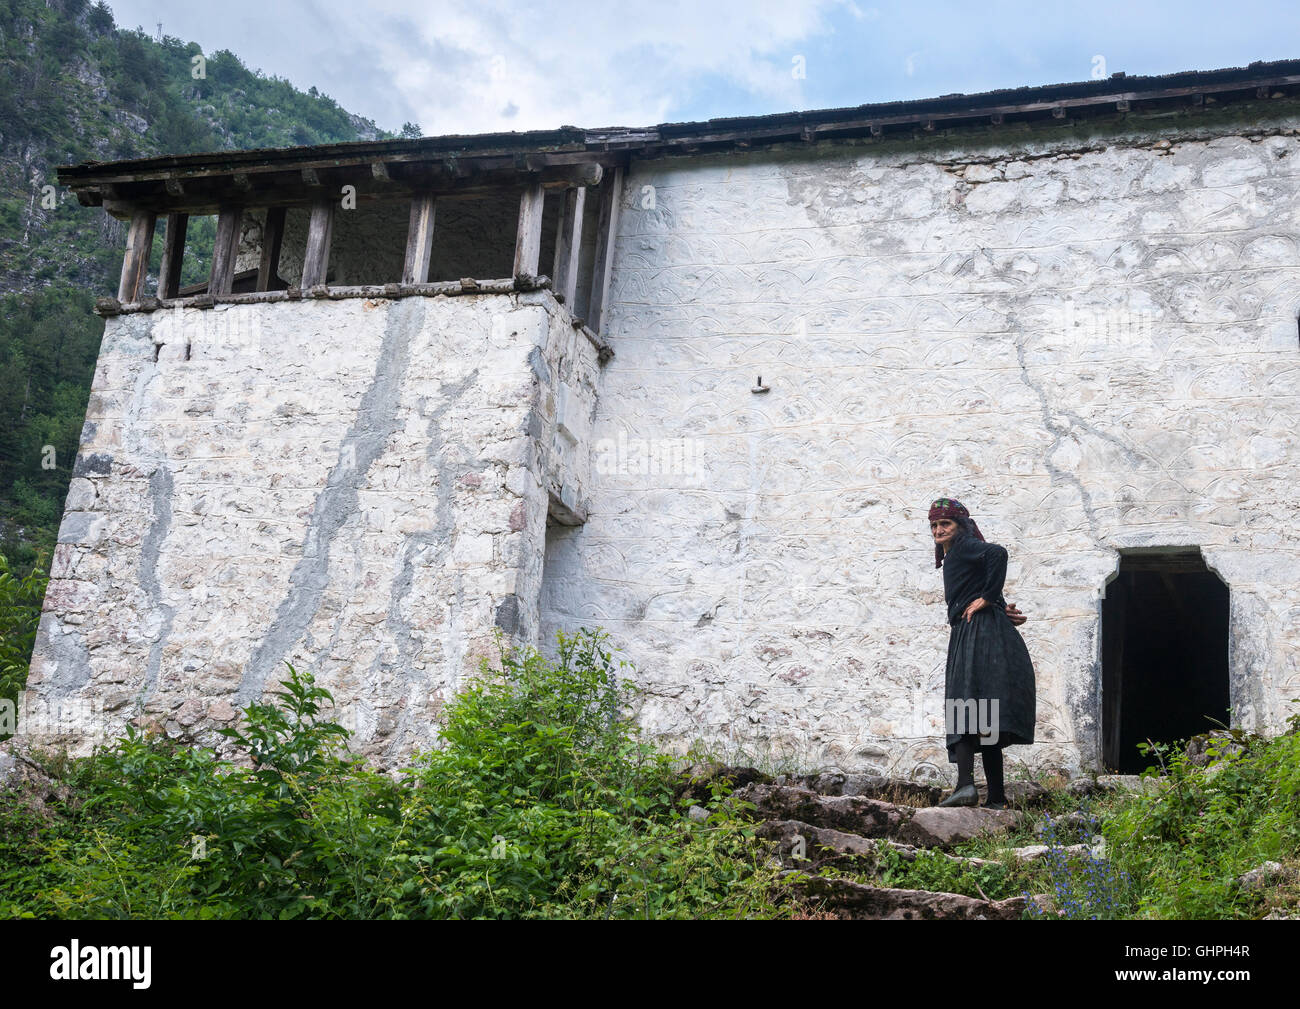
<point>272,238</point>
<point>568,244</point>
<point>316,261</point>
<point>419,239</point>
<point>611,189</point>
<point>528,240</point>
<point>173,256</point>
<point>1114,617</point>
<point>225,250</point>
<point>135,264</point>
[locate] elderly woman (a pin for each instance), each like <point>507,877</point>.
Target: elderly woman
<point>989,696</point>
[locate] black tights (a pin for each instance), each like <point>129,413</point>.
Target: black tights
<point>992,756</point>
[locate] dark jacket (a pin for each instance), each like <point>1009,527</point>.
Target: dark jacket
<point>971,569</point>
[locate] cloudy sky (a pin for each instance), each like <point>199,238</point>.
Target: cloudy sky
<point>473,66</point>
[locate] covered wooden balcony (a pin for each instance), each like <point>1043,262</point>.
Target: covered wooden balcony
<point>482,214</point>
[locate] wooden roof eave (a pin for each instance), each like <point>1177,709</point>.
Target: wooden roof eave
<point>195,166</point>
<point>460,165</point>
<point>376,181</point>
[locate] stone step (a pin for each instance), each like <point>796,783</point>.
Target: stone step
<point>851,814</point>
<point>695,782</point>
<point>868,786</point>
<point>928,827</point>
<point>1036,852</point>
<point>1131,783</point>
<point>937,827</point>
<point>1026,794</point>
<point>901,791</point>
<point>788,832</point>
<point>861,902</point>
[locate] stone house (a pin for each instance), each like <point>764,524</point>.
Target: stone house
<point>697,384</point>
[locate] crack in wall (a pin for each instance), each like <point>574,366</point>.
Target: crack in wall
<point>160,492</point>
<point>1082,695</point>
<point>1059,434</point>
<point>337,503</point>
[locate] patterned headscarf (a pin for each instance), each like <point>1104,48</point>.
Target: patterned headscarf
<point>950,508</point>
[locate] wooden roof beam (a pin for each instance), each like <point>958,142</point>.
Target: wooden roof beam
<point>461,164</point>
<point>208,196</point>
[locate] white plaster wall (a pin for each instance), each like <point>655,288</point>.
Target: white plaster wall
<point>1091,341</point>
<point>357,487</point>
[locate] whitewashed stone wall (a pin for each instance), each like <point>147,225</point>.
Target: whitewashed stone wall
<point>1090,340</point>
<point>358,487</point>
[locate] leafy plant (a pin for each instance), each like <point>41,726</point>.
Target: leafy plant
<point>933,870</point>
<point>546,804</point>
<point>1190,841</point>
<point>21,597</point>
<point>541,803</point>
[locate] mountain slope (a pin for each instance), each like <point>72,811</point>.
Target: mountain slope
<point>74,87</point>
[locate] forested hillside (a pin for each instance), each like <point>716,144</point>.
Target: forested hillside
<point>75,87</point>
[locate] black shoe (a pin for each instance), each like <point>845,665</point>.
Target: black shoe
<point>996,805</point>
<point>967,795</point>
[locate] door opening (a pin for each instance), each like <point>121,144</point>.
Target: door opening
<point>1164,635</point>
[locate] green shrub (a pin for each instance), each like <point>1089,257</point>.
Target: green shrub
<point>21,597</point>
<point>1186,845</point>
<point>543,803</point>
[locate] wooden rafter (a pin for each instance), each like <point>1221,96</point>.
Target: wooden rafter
<point>296,189</point>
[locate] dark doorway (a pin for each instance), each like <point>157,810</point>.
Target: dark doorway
<point>1164,646</point>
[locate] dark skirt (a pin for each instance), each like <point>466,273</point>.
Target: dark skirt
<point>988,660</point>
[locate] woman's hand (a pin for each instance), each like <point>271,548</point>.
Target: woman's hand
<point>1014,615</point>
<point>974,608</point>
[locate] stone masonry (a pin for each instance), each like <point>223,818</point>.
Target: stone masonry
<point>358,488</point>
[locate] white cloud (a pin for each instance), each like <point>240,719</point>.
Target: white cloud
<point>461,66</point>
<point>473,66</point>
<point>591,64</point>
